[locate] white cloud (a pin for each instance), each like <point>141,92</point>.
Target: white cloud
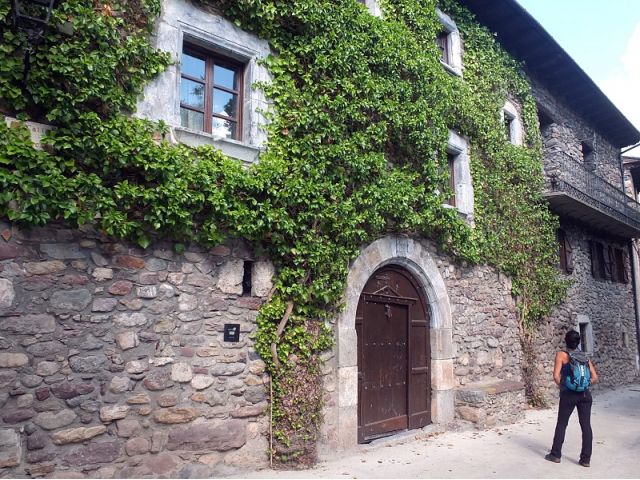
<point>623,86</point>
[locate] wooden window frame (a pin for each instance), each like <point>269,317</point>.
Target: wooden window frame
<point>443,41</point>
<point>565,252</point>
<point>451,162</point>
<point>598,266</point>
<point>621,274</point>
<point>211,59</point>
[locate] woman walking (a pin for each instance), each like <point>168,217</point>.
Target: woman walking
<point>570,399</point>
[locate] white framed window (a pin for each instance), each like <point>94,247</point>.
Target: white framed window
<point>512,123</point>
<point>448,40</point>
<point>207,96</point>
<point>460,175</point>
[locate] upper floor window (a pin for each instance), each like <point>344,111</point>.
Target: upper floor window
<point>588,156</point>
<point>608,263</point>
<point>566,252</point>
<point>211,93</point>
<point>451,160</point>
<point>619,273</point>
<point>448,40</point>
<point>460,184</point>
<point>512,123</point>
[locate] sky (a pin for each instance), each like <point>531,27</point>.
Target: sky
<point>603,37</point>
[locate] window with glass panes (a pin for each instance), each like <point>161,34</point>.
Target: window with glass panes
<point>211,93</point>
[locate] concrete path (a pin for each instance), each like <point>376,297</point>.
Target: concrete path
<point>513,451</point>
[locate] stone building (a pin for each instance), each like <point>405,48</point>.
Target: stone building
<point>118,361</point>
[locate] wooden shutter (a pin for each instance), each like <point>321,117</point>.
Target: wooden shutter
<point>566,252</point>
<point>569,254</point>
<point>595,271</point>
<point>609,263</point>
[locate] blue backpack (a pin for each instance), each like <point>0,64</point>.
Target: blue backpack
<point>578,374</point>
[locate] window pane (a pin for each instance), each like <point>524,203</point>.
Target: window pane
<point>223,128</point>
<point>225,77</point>
<point>191,119</point>
<point>225,103</point>
<point>192,93</point>
<point>192,66</point>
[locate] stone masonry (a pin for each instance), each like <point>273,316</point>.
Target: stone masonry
<point>112,359</point>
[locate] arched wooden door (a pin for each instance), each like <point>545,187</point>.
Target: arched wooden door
<point>394,378</point>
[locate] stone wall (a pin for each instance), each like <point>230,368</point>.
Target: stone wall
<point>113,361</point>
<point>485,324</point>
<point>607,306</point>
<point>566,134</point>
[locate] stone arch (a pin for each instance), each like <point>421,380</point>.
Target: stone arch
<point>412,255</point>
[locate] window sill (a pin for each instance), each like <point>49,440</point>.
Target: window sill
<point>452,70</point>
<point>232,148</point>
<point>466,216</point>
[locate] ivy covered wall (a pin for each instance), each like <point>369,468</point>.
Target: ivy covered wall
<point>361,110</point>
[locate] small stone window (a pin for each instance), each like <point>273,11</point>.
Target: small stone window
<point>588,156</point>
<point>512,123</point>
<point>449,43</point>
<point>247,278</point>
<point>586,333</point>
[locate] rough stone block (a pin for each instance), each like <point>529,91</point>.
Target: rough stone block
<point>127,340</point>
<point>207,436</point>
<point>137,446</point>
<point>181,372</point>
<point>44,268</point>
<point>121,287</point>
<point>175,415</point>
<point>119,384</point>
<point>62,251</point>
<point>93,453</point>
<point>75,435</point>
<point>11,360</point>
<point>230,276</point>
<point>74,300</point>
<point>130,319</point>
<point>52,421</point>
<point>104,304</point>
<point>7,293</point>
<point>262,273</point>
<point>114,412</point>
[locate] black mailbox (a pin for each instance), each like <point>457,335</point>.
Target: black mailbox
<point>231,332</point>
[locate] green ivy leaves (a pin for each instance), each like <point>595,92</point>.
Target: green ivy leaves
<point>360,113</point>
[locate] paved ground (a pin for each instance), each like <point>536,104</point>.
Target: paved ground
<point>513,451</point>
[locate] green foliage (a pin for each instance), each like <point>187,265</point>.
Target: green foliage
<point>361,109</point>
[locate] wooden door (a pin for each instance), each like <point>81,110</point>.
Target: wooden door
<point>392,325</point>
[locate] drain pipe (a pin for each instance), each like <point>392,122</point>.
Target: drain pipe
<point>634,283</point>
